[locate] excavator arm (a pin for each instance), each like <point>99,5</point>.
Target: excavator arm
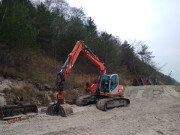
<point>70,61</point>
<point>65,109</point>
<point>65,71</point>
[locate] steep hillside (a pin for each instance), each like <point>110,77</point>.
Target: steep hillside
<point>38,35</point>
<point>32,74</point>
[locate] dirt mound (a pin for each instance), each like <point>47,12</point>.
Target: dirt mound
<point>150,92</point>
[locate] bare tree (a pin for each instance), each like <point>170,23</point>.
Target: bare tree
<point>58,5</point>
<point>4,12</point>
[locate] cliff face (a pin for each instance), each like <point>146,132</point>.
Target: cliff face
<point>40,94</point>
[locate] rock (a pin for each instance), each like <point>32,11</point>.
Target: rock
<point>42,110</point>
<point>149,132</point>
<point>2,46</point>
<point>42,86</point>
<point>47,86</point>
<point>2,94</point>
<point>5,84</point>
<point>2,101</point>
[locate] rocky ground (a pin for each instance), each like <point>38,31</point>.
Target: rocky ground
<point>154,110</point>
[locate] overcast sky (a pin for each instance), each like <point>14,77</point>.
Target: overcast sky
<point>155,22</point>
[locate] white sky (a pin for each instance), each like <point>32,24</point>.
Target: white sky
<point>155,22</point>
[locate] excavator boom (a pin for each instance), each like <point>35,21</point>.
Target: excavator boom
<point>70,61</point>
<point>109,87</point>
<point>65,71</point>
<point>72,57</point>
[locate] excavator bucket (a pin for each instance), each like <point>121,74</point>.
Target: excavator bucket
<point>14,111</point>
<point>64,110</point>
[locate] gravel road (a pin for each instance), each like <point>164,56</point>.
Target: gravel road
<point>154,110</point>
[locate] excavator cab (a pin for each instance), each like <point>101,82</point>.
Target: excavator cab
<point>109,84</point>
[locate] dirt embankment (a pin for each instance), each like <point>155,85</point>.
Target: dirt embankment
<point>37,93</point>
<point>154,110</point>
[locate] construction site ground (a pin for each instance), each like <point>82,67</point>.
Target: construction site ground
<point>154,110</point>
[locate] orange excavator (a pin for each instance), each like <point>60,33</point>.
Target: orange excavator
<point>106,93</point>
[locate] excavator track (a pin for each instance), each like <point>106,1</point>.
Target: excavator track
<point>85,100</point>
<point>64,110</point>
<point>111,102</point>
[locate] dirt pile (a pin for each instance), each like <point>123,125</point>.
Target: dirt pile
<point>152,92</point>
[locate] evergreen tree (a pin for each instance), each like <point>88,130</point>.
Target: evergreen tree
<point>43,25</point>
<point>17,25</point>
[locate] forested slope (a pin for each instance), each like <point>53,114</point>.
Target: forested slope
<point>35,39</point>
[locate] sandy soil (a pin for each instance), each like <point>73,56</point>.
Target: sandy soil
<point>154,110</point>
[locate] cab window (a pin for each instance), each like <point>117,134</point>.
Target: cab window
<point>114,82</point>
<point>105,84</point>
